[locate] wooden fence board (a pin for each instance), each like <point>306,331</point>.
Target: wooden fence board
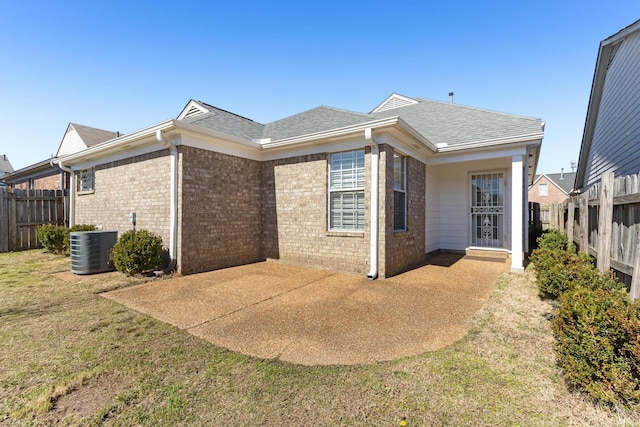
<point>22,211</point>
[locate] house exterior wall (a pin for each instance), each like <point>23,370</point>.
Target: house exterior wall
<point>139,184</point>
<point>295,204</point>
<point>402,249</point>
<point>71,143</point>
<point>554,194</point>
<point>616,135</point>
<point>432,213</point>
<point>48,181</point>
<point>220,211</point>
<point>455,201</point>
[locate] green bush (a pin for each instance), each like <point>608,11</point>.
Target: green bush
<point>597,344</point>
<point>553,239</point>
<point>137,251</point>
<point>52,237</point>
<point>561,271</point>
<point>78,227</point>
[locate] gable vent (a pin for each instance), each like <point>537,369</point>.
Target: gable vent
<point>193,111</point>
<point>394,101</point>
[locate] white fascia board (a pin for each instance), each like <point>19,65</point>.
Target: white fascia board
<point>333,133</point>
<point>138,151</point>
<point>401,146</point>
<point>114,146</point>
<point>348,130</point>
<point>217,135</point>
<point>495,142</point>
<point>303,150</point>
<point>477,155</point>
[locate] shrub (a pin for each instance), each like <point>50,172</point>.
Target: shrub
<point>78,227</point>
<point>561,271</point>
<point>137,251</point>
<point>52,237</point>
<point>597,344</point>
<point>553,239</point>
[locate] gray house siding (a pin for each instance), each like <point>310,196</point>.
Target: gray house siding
<point>616,137</point>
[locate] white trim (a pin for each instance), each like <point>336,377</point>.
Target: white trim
<point>476,155</point>
<point>394,97</point>
<point>517,229</point>
<point>492,142</point>
<point>191,105</point>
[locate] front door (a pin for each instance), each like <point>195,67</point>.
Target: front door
<point>487,210</point>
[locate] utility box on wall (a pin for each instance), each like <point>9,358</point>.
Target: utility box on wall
<point>91,251</point>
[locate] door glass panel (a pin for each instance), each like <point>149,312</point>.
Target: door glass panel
<point>487,210</point>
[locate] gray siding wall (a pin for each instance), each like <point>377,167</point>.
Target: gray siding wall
<point>616,138</point>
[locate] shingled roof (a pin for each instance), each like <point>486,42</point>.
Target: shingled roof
<point>443,124</point>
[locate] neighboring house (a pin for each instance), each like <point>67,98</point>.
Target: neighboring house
<point>366,193</point>
<point>551,188</point>
<point>46,176</point>
<point>611,138</point>
<point>5,167</point>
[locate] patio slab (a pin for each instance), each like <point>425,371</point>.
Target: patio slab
<point>308,316</point>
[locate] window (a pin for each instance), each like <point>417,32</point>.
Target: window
<point>86,181</point>
<point>399,193</point>
<point>346,191</point>
<point>543,190</point>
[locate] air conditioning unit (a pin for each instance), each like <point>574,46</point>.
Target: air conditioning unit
<point>91,251</point>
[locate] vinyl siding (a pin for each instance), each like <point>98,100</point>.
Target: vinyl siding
<point>432,237</point>
<point>454,218</point>
<point>617,129</point>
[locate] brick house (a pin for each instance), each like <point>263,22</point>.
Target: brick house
<point>46,176</point>
<point>551,188</point>
<point>365,193</point>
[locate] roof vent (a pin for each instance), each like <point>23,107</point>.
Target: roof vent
<point>193,111</point>
<point>394,101</point>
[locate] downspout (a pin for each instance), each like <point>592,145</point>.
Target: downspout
<point>72,191</point>
<point>375,160</point>
<point>173,215</point>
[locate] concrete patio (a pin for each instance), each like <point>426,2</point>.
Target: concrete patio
<point>308,316</point>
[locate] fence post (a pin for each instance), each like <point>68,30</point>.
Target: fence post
<point>584,223</point>
<point>605,217</point>
<point>570,214</point>
<point>634,291</point>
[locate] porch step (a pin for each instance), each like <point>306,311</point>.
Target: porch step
<point>479,253</point>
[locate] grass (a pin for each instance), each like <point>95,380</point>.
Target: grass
<point>71,357</point>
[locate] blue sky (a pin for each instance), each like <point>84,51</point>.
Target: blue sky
<point>122,66</point>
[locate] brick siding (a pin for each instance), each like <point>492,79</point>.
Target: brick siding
<point>400,250</point>
<point>220,211</point>
<point>554,194</point>
<point>295,217</point>
<point>139,184</point>
<point>235,211</point>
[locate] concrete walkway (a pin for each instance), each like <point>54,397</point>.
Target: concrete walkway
<point>308,316</point>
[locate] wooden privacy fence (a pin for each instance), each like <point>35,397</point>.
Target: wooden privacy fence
<point>604,221</point>
<point>22,211</point>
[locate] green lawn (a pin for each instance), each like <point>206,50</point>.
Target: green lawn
<point>72,357</point>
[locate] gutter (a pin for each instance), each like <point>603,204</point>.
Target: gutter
<point>173,192</point>
<point>72,190</point>
<point>373,248</point>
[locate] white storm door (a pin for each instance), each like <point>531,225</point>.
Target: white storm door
<point>487,210</point>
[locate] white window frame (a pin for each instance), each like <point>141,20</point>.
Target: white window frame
<point>87,180</point>
<point>542,193</point>
<point>346,185</point>
<point>400,188</point>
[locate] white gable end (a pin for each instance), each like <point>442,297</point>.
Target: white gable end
<point>71,143</point>
<point>394,101</point>
<point>192,109</point>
